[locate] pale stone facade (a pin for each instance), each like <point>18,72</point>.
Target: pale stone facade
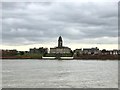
<point>60,50</point>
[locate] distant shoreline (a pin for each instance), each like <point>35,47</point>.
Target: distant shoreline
<point>86,57</point>
<point>62,59</point>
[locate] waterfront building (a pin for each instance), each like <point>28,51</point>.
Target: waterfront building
<point>9,52</point>
<point>115,52</point>
<point>118,52</point>
<point>91,50</point>
<point>40,50</point>
<point>106,52</point>
<point>110,52</point>
<point>95,50</point>
<point>60,49</point>
<point>86,51</point>
<point>78,52</point>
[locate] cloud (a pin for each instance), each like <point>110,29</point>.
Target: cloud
<point>84,22</point>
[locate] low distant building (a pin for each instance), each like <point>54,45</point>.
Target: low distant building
<point>110,52</point>
<point>60,49</point>
<point>106,52</point>
<point>115,52</point>
<point>95,50</point>
<point>78,52</point>
<point>91,51</point>
<point>118,52</point>
<point>9,52</point>
<point>86,51</point>
<point>40,50</point>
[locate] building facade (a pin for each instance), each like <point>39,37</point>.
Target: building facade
<point>8,52</point>
<point>60,49</point>
<point>91,50</point>
<point>40,50</point>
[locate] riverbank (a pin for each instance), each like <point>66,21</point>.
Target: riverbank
<point>99,57</point>
<point>18,57</point>
<point>81,57</point>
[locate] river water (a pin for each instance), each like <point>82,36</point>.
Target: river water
<point>59,74</point>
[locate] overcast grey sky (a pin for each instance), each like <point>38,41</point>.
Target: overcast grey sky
<point>77,22</point>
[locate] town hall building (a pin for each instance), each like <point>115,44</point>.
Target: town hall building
<point>60,49</point>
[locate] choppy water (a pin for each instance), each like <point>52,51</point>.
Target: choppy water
<point>59,74</point>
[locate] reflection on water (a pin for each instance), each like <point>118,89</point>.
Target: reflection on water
<point>60,74</point>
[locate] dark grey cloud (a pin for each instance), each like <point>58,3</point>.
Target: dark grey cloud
<point>27,23</point>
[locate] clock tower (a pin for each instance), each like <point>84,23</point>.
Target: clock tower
<point>60,42</point>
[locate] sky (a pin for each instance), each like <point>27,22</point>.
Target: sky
<point>39,24</point>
